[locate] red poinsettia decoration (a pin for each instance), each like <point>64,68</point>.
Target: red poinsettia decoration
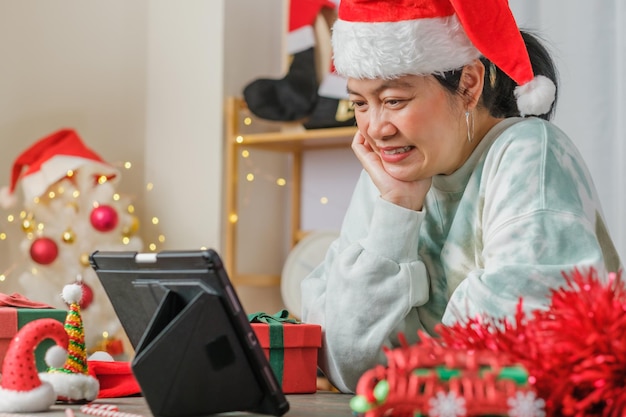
<point>575,351</point>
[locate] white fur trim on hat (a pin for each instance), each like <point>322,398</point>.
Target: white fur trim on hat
<point>391,49</point>
<point>300,39</point>
<point>56,168</point>
<point>72,386</point>
<point>536,96</point>
<point>7,198</point>
<point>38,399</point>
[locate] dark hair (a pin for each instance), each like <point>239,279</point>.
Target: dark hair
<point>499,98</point>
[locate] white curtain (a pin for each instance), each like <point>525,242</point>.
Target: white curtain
<point>588,42</point>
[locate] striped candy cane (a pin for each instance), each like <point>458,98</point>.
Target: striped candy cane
<point>105,410</point>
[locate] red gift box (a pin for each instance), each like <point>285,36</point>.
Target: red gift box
<point>12,319</point>
<point>300,343</point>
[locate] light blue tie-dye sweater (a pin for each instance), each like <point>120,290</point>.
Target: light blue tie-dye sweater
<point>518,213</point>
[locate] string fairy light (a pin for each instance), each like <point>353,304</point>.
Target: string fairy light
<point>255,172</point>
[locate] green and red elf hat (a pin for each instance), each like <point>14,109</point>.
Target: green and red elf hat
<point>391,38</point>
<point>72,381</point>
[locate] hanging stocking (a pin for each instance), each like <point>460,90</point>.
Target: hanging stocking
<point>333,108</point>
<point>294,96</point>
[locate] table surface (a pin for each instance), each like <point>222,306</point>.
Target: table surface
<point>327,404</point>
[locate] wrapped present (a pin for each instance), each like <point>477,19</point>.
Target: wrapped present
<point>291,348</point>
<point>12,319</point>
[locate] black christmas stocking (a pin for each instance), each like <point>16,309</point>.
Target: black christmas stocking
<point>289,98</point>
<point>294,96</point>
<point>332,108</point>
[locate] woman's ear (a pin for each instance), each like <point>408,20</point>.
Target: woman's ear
<point>471,84</point>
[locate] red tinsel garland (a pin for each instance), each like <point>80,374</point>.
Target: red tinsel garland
<point>575,351</point>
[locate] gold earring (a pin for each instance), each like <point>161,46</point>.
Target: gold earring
<point>492,75</point>
<point>468,122</point>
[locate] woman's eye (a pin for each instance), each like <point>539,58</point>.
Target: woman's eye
<point>356,104</point>
<point>393,102</point>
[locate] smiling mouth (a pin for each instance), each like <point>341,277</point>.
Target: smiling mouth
<point>397,150</point>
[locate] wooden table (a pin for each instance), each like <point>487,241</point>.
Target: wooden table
<point>326,404</point>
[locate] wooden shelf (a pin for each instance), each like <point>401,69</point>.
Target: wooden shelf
<point>299,141</point>
<point>245,130</point>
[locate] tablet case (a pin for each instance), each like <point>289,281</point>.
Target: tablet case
<point>198,354</point>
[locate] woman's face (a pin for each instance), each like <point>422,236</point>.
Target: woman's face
<point>416,127</point>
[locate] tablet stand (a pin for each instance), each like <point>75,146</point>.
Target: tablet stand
<point>184,369</point>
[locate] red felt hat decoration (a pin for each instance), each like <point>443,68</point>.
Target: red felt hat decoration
<point>21,389</point>
<point>49,160</point>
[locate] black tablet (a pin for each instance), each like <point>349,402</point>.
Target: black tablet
<point>195,351</point>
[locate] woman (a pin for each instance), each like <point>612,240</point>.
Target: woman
<point>465,204</point>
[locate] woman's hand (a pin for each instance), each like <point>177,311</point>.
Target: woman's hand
<point>408,194</point>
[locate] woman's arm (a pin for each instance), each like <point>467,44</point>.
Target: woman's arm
<point>367,285</point>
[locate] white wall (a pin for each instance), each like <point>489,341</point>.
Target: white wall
<point>183,142</point>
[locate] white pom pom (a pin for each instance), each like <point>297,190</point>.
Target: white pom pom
<point>72,293</point>
<point>7,198</point>
<point>536,96</point>
<point>55,356</point>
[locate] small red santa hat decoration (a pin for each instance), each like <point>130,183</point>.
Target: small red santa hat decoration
<point>116,378</point>
<point>390,38</point>
<point>71,380</point>
<point>49,160</point>
<point>21,389</point>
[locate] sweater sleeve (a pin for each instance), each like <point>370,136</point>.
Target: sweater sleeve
<point>367,285</point>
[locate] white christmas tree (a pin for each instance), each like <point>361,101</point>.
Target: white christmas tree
<point>71,209</point>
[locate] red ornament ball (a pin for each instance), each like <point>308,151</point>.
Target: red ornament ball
<point>87,297</point>
<point>104,218</point>
<point>44,250</point>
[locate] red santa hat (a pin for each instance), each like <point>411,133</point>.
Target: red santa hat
<point>390,38</point>
<point>116,378</point>
<point>21,389</point>
<point>49,160</point>
<point>69,375</point>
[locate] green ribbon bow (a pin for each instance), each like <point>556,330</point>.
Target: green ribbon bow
<point>275,322</point>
